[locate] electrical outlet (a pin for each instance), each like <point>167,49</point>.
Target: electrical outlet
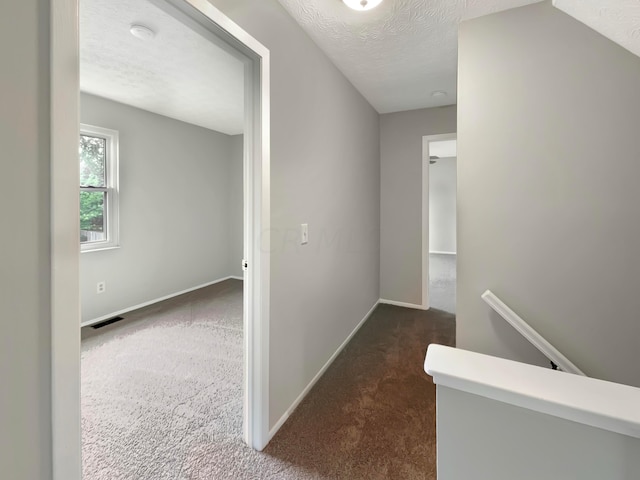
<point>101,287</point>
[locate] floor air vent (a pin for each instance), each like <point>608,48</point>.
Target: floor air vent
<point>106,322</point>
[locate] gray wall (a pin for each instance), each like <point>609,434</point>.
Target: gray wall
<point>25,300</point>
<point>175,209</point>
<point>548,196</point>
<point>401,198</point>
<point>325,171</point>
<point>442,205</point>
<point>236,205</point>
<point>483,438</point>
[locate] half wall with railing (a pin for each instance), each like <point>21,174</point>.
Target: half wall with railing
<point>503,420</point>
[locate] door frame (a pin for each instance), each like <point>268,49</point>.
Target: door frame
<point>426,140</point>
<point>65,246</point>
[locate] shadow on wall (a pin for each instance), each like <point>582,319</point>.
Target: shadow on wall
<point>510,337</point>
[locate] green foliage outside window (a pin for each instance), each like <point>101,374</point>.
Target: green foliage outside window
<point>92,211</point>
<point>92,174</point>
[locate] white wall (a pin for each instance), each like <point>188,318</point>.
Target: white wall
<point>325,171</point>
<point>442,205</point>
<point>401,198</point>
<point>25,299</point>
<point>548,196</point>
<point>487,439</point>
<point>176,212</point>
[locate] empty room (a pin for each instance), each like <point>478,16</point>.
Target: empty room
<point>161,231</point>
<point>441,194</point>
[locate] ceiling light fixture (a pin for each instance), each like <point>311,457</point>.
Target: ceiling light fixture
<point>439,94</point>
<point>362,5</point>
<point>142,32</point>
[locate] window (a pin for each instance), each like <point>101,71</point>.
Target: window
<point>98,188</point>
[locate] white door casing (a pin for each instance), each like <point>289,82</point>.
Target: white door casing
<point>65,247</point>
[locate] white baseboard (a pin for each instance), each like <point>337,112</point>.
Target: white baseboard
<point>442,253</point>
<point>313,381</point>
<point>235,277</point>
<point>88,323</point>
<point>403,304</point>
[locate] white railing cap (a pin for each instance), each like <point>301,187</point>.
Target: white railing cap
<point>598,403</point>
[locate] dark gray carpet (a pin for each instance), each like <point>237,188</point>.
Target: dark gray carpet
<point>162,399</point>
<point>372,415</point>
<point>442,282</point>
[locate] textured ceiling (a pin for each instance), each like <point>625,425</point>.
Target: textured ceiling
<point>618,20</point>
<point>179,73</point>
<point>397,54</point>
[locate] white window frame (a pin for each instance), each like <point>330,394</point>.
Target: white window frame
<point>112,204</point>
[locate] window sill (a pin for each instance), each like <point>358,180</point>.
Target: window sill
<point>99,249</point>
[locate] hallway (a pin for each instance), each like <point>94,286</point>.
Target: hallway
<point>372,415</point>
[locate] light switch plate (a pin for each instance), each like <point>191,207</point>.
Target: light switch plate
<point>304,233</point>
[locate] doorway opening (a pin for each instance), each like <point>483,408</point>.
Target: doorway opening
<point>104,220</point>
<point>439,222</point>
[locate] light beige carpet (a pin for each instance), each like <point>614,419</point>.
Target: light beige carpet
<point>442,282</point>
<point>162,398</point>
